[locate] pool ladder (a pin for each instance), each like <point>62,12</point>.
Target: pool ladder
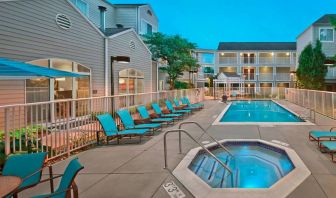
<point>180,131</point>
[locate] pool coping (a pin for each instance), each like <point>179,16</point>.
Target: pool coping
<point>280,189</point>
<point>305,123</point>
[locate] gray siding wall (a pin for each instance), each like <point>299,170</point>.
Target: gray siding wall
<point>28,32</point>
<point>127,16</point>
<point>140,58</point>
<point>154,76</point>
<point>145,16</point>
<point>94,13</point>
<point>329,48</point>
<point>303,40</point>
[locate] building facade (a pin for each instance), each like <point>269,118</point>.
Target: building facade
<point>79,36</point>
<point>259,64</point>
<point>321,30</point>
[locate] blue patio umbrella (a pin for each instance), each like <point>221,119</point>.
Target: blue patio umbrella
<point>10,69</point>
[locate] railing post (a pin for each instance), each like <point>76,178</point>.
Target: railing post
<point>333,104</point>
<point>7,137</point>
<point>68,126</point>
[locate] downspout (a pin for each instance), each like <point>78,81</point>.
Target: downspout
<point>106,65</point>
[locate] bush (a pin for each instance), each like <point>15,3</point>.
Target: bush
<point>181,85</point>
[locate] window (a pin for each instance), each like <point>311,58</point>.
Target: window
<point>326,34</point>
<point>208,58</point>
<point>131,81</point>
<point>147,28</point>
<point>82,6</point>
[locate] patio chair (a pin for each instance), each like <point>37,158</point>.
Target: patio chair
<point>184,106</point>
<point>110,129</point>
<point>129,123</point>
<point>186,101</point>
<point>67,182</point>
<point>322,135</point>
<point>173,110</point>
<point>329,147</point>
<point>145,115</point>
<point>26,166</point>
<point>162,114</point>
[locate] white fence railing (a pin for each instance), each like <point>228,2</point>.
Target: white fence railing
<point>60,127</point>
<point>322,102</point>
<point>248,92</point>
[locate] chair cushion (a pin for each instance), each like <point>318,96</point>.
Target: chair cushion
<point>330,145</point>
<point>149,126</point>
<point>319,134</point>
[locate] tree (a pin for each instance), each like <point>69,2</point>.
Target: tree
<point>172,51</point>
<point>312,70</point>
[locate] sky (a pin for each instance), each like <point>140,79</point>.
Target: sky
<point>208,22</point>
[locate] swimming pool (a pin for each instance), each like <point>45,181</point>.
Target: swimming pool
<point>258,111</point>
<point>254,165</point>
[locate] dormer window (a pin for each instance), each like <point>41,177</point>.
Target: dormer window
<point>326,34</point>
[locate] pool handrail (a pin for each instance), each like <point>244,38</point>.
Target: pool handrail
<point>192,138</point>
<point>204,132</point>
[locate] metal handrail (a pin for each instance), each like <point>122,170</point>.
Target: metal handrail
<point>204,132</point>
<point>185,132</point>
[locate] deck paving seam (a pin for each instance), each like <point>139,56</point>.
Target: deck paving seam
<point>313,175</point>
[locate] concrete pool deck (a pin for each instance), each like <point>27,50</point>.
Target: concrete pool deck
<point>133,170</point>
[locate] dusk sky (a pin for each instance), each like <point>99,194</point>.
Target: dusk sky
<point>209,22</point>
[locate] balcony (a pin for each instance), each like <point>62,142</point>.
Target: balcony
<point>228,60</point>
<point>282,60</point>
<point>283,77</point>
<point>266,60</point>
<point>265,76</point>
<point>248,60</point>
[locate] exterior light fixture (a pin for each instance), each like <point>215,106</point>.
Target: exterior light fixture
<point>287,54</point>
<point>272,53</point>
<point>222,54</point>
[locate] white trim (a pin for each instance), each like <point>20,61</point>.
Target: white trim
<point>326,28</point>
<point>106,64</point>
<point>137,35</point>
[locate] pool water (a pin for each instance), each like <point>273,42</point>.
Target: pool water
<point>258,111</point>
<point>254,165</point>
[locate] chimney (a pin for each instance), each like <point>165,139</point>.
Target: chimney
<point>119,26</point>
<point>102,18</point>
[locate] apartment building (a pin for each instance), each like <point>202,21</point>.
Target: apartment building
<point>81,36</point>
<point>259,64</point>
<point>321,30</point>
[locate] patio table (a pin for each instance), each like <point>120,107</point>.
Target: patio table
<point>8,184</point>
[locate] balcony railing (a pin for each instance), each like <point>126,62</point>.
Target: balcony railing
<point>282,60</point>
<point>283,77</point>
<point>265,76</point>
<point>227,60</point>
<point>248,60</point>
<point>60,127</point>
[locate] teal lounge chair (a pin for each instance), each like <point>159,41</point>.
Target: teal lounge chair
<point>172,109</point>
<point>329,147</point>
<point>186,101</point>
<point>322,135</point>
<point>145,115</point>
<point>111,131</point>
<point>158,111</point>
<point>67,182</point>
<point>129,123</point>
<point>26,166</point>
<point>185,106</point>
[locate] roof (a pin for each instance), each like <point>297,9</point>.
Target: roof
<point>113,31</point>
<point>257,46</point>
<point>231,74</point>
<point>324,19</point>
<point>132,5</point>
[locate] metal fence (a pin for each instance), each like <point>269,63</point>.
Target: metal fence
<point>322,102</point>
<point>247,92</point>
<point>62,126</point>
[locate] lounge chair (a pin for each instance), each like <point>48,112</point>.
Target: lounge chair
<point>26,166</point>
<point>145,115</point>
<point>158,111</point>
<point>67,182</point>
<point>129,123</point>
<point>173,110</point>
<point>329,147</point>
<point>185,100</point>
<point>184,106</point>
<point>322,135</point>
<point>111,131</point>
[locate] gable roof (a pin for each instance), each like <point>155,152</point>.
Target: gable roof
<point>324,19</point>
<point>257,46</point>
<point>130,5</point>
